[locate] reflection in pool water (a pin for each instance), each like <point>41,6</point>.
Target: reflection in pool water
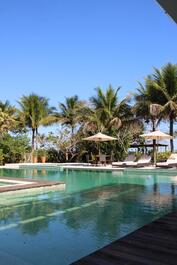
<point>95,209</point>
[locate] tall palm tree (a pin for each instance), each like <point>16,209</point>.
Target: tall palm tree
<point>165,83</point>
<point>91,121</point>
<point>8,119</point>
<point>146,106</point>
<point>70,112</point>
<point>112,116</point>
<point>6,107</point>
<point>35,111</point>
<point>7,122</point>
<point>111,112</point>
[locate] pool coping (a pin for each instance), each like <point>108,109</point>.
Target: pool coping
<point>92,168</point>
<point>26,184</point>
<point>80,166</point>
<point>62,166</point>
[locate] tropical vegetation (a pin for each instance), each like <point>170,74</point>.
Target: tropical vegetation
<point>153,102</point>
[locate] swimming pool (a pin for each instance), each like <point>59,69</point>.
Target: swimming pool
<point>95,209</point>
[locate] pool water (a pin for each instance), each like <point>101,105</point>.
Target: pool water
<point>95,209</point>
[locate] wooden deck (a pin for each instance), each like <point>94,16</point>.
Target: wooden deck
<point>153,244</point>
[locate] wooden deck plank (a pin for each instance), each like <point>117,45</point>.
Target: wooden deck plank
<point>153,244</point>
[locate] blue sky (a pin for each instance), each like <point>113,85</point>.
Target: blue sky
<point>59,48</point>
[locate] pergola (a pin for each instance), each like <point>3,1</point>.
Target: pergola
<point>147,145</point>
<point>137,145</point>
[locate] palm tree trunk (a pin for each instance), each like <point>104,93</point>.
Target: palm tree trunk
<point>154,141</point>
<point>171,133</point>
<point>153,125</point>
<point>72,134</point>
<point>33,137</point>
<point>36,138</point>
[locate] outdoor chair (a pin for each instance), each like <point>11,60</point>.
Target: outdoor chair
<point>110,159</point>
<point>171,162</point>
<point>93,160</point>
<point>129,158</point>
<point>102,159</point>
<point>144,160</point>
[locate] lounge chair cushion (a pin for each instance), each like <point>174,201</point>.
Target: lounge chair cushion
<point>143,161</point>
<point>130,158</point>
<point>119,163</point>
<point>171,161</point>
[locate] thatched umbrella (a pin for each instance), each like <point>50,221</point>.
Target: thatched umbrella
<point>156,135</point>
<point>100,137</point>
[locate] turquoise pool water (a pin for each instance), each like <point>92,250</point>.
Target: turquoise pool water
<point>95,209</point>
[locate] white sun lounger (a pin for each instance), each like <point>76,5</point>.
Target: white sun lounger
<point>144,160</point>
<point>129,158</point>
<point>171,162</point>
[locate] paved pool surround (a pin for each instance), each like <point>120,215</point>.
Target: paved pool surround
<point>14,184</point>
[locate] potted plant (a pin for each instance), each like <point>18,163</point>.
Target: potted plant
<point>35,156</point>
<point>42,153</point>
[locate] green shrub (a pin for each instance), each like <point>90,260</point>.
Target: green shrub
<point>14,147</point>
<point>163,156</point>
<point>41,152</point>
<point>35,153</point>
<point>138,155</point>
<point>55,156</point>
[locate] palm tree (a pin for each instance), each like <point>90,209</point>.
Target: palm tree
<point>34,112</point>
<point>7,116</point>
<point>165,84</point>
<point>6,107</point>
<point>110,115</point>
<point>111,112</point>
<point>12,111</point>
<point>70,112</point>
<point>7,122</point>
<point>145,106</point>
<point>92,121</point>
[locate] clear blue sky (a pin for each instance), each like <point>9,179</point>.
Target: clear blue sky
<point>59,48</point>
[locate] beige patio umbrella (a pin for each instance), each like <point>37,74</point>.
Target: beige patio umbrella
<point>100,137</point>
<point>156,135</point>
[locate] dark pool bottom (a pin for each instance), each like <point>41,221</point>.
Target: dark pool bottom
<point>60,227</point>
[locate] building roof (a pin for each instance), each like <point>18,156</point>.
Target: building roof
<point>170,7</point>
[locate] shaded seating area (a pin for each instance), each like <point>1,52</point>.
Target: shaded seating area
<point>101,159</point>
<point>171,162</point>
<point>91,159</point>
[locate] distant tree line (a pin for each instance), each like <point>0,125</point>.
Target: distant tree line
<point>154,101</point>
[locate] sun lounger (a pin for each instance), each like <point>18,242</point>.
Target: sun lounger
<point>171,162</point>
<point>144,160</point>
<point>129,158</point>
